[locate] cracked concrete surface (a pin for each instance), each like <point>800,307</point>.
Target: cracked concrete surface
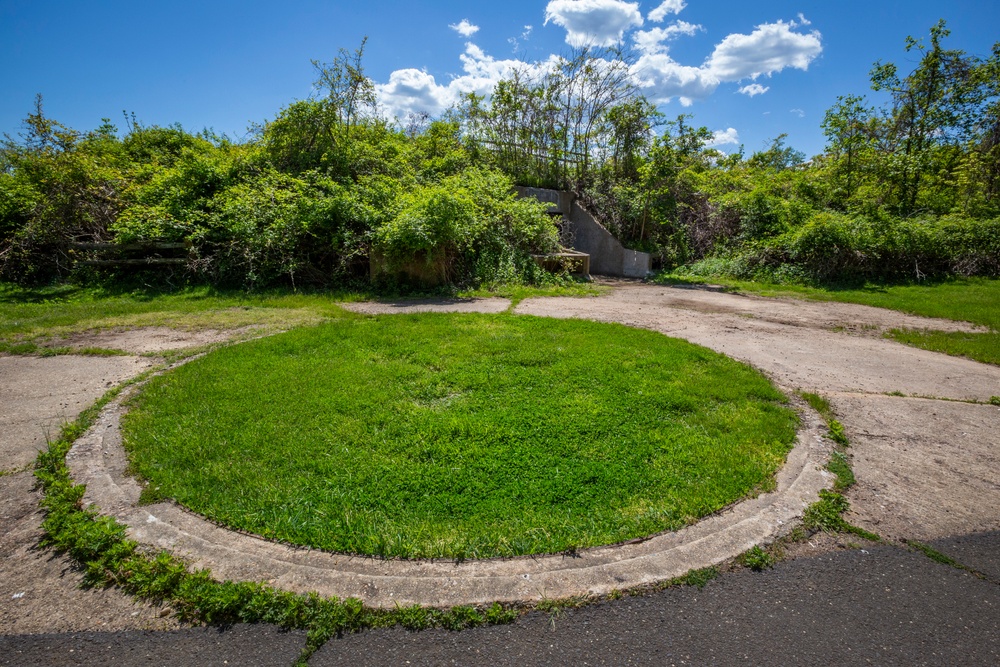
<point>925,467</point>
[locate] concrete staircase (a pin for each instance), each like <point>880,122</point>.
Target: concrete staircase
<point>586,235</point>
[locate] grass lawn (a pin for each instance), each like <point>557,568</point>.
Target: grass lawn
<point>458,436</point>
<point>975,300</point>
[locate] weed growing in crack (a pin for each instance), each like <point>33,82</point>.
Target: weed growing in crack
<point>819,404</point>
<point>934,554</point>
<point>837,433</point>
<point>827,514</point>
<point>696,578</point>
<point>839,466</point>
<point>150,495</point>
<point>944,559</point>
<point>757,559</point>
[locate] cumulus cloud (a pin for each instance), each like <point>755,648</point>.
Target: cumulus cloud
<point>593,22</point>
<point>412,91</point>
<point>416,91</point>
<point>653,40</point>
<point>754,89</point>
<point>464,28</point>
<point>662,79</point>
<point>724,137</point>
<point>770,48</point>
<point>666,7</point>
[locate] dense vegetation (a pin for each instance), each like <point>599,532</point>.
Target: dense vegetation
<point>906,189</point>
<point>308,200</point>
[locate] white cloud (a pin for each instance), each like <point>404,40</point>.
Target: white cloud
<point>803,20</point>
<point>593,22</point>
<point>770,48</point>
<point>415,91</point>
<point>652,40</point>
<point>464,28</point>
<point>798,112</point>
<point>754,89</point>
<point>662,78</point>
<point>515,42</point>
<point>666,7</point>
<point>724,137</point>
<point>767,50</point>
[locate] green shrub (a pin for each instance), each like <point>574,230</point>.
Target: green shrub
<point>472,226</point>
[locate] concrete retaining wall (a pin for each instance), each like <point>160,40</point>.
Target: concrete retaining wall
<point>560,200</point>
<point>607,256</point>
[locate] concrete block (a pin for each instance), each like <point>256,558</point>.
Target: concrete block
<point>636,264</point>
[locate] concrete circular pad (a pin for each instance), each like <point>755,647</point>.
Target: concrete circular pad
<point>98,460</point>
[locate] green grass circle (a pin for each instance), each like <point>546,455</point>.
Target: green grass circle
<point>459,436</point>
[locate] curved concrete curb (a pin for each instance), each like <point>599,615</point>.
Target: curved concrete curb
<point>98,460</point>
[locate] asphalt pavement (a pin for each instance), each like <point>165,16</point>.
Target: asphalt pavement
<point>885,605</point>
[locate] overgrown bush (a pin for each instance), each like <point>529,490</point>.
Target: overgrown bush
<point>307,201</point>
<point>471,226</point>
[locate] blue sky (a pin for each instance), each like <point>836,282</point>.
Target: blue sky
<point>224,65</point>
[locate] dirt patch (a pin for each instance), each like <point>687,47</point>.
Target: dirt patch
<point>926,469</point>
<point>788,311</point>
<point>148,340</point>
<point>819,544</point>
<point>40,590</point>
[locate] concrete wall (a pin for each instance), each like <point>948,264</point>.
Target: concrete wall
<point>560,200</point>
<point>590,236</point>
<point>636,264</point>
<point>607,256</point>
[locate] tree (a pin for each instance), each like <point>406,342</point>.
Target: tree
<point>778,156</point>
<point>349,93</point>
<point>546,127</point>
<point>846,127</point>
<point>935,110</point>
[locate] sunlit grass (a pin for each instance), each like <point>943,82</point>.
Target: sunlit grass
<point>459,436</point>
